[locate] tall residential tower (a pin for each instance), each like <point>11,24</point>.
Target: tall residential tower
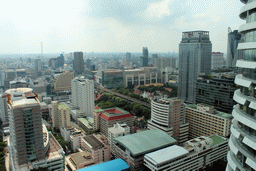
<point>78,63</point>
<point>233,40</point>
<point>242,141</point>
<point>195,50</point>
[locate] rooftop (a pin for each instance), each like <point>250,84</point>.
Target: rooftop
<point>62,106</point>
<point>224,115</point>
<point>166,154</point>
<point>115,165</point>
<point>192,106</point>
<point>114,113</point>
<point>23,102</point>
<point>81,157</point>
<point>94,142</point>
<point>145,141</point>
<point>217,139</point>
<point>85,122</point>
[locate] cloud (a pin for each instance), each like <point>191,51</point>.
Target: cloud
<point>159,9</point>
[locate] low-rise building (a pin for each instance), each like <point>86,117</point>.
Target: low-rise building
<point>86,124</point>
<point>116,131</point>
<point>75,141</point>
<point>67,131</point>
<point>194,155</point>
<point>204,120</point>
<point>132,148</point>
<point>111,116</point>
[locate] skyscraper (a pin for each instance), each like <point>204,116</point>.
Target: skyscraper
<point>243,129</point>
<point>78,63</point>
<point>144,57</point>
<point>88,64</point>
<point>233,40</point>
<point>83,95</point>
<point>195,50</point>
<point>128,56</point>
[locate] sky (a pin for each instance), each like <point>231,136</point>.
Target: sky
<point>112,25</point>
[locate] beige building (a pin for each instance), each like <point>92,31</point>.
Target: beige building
<point>60,115</point>
<point>204,120</point>
<point>63,81</point>
<point>168,115</point>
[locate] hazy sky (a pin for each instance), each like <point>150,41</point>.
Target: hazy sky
<point>112,25</point>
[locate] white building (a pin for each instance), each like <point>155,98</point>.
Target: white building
<point>3,109</point>
<point>75,141</point>
<point>217,60</point>
<point>242,141</point>
<point>194,155</point>
<point>116,131</point>
<point>83,95</point>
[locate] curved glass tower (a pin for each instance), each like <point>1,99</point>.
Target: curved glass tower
<point>242,141</point>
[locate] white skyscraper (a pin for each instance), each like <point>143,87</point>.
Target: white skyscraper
<point>83,95</point>
<point>242,142</point>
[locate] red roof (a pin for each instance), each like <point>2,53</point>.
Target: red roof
<point>96,107</point>
<point>106,118</point>
<point>116,111</point>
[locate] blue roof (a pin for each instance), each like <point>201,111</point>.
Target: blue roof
<point>113,165</point>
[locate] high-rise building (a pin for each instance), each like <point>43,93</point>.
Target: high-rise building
<point>168,115</point>
<point>128,57</point>
<point>88,64</point>
<point>30,144</point>
<point>144,57</point>
<point>59,61</point>
<point>60,115</point>
<point>78,63</point>
<point>83,95</point>
<point>233,40</point>
<point>3,108</point>
<point>38,65</point>
<point>62,82</point>
<point>217,92</point>
<point>162,63</point>
<point>195,51</point>
<point>217,60</point>
<point>243,129</point>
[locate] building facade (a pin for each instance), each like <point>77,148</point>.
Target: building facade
<point>217,60</point>
<point>168,115</point>
<point>111,116</point>
<point>234,38</point>
<point>83,95</point>
<point>243,129</point>
<point>78,63</point>
<point>144,57</point>
<point>217,92</point>
<point>63,81</point>
<point>60,115</point>
<point>195,50</point>
<point>204,120</point>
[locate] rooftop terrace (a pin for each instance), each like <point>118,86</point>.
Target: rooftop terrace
<point>217,139</point>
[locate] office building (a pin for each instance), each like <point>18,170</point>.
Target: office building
<point>83,95</point>
<point>204,120</point>
<point>144,57</point>
<point>234,38</point>
<point>195,154</point>
<point>128,57</point>
<point>62,81</point>
<point>243,129</point>
<point>195,51</point>
<point>3,109</point>
<point>30,144</point>
<point>217,60</point>
<point>60,115</point>
<point>217,92</point>
<point>38,65</point>
<point>116,131</point>
<point>111,116</point>
<point>162,63</point>
<point>168,115</point>
<point>59,61</point>
<point>132,148</point>
<point>88,64</point>
<point>78,63</point>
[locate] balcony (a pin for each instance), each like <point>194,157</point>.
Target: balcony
<point>244,118</point>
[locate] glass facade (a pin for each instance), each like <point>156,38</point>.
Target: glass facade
<point>112,80</point>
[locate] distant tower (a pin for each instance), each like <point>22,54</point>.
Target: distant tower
<point>195,51</point>
<point>42,50</point>
<point>78,63</point>
<point>233,40</point>
<point>128,56</point>
<point>144,57</point>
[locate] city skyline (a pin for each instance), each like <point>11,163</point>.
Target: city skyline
<point>110,27</point>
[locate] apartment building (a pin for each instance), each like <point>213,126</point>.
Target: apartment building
<point>60,115</point>
<point>204,120</point>
<point>194,155</point>
<point>62,81</point>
